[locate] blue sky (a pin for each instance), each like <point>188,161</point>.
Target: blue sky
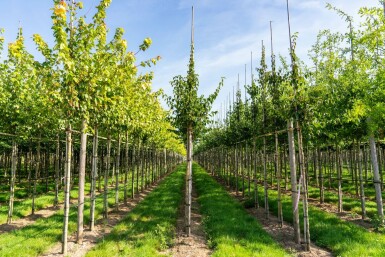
<point>226,31</point>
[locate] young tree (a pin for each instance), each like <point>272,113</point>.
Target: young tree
<point>189,114</point>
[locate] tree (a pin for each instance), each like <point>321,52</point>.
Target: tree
<point>190,113</point>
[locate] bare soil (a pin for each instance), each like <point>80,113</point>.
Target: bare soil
<point>196,244</point>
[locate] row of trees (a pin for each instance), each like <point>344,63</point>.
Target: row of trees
<point>337,101</point>
<point>83,81</point>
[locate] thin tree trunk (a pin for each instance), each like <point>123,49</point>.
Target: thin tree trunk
<point>377,181</point>
<point>106,174</point>
<point>67,182</point>
<point>57,170</point>
<point>278,171</point>
<point>117,174</point>
<point>256,202</point>
<point>265,185</point>
<point>37,171</point>
<point>293,176</point>
<point>126,161</point>
<point>13,178</point>
<point>94,175</point>
<point>362,190</point>
<point>339,177</point>
<point>305,191</point>
<point>82,175</point>
<point>188,182</point>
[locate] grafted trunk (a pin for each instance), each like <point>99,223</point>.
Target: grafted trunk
<point>67,182</point>
<point>188,182</point>
<point>82,176</point>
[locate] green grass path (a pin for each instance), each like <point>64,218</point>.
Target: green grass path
<point>232,232</point>
<point>150,227</point>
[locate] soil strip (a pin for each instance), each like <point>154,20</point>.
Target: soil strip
<point>196,244</point>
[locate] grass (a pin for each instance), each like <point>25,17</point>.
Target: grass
<point>327,230</point>
<point>36,238</point>
<point>149,227</point>
<point>23,208</point>
<point>231,230</point>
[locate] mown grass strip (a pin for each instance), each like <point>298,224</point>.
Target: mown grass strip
<point>327,230</point>
<point>149,227</point>
<point>231,230</point>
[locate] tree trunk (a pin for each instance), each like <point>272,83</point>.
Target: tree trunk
<point>256,202</point>
<point>133,168</point>
<point>126,166</point>
<point>306,226</point>
<point>37,171</point>
<point>94,175</point>
<point>377,181</point>
<point>106,174</point>
<point>265,185</point>
<point>293,176</point>
<point>57,171</point>
<point>362,190</point>
<point>117,169</point>
<point>67,182</point>
<point>82,175</point>
<point>188,182</point>
<point>13,178</point>
<point>278,171</point>
<point>339,177</point>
